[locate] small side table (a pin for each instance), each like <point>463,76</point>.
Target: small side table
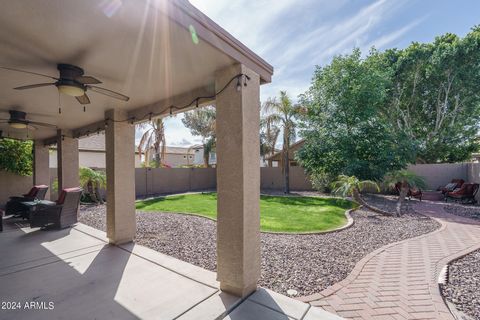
<point>32,205</point>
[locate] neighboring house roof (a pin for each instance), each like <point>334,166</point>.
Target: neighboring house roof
<point>293,149</point>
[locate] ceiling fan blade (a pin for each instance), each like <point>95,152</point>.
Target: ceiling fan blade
<point>42,124</point>
<point>31,86</point>
<point>109,93</point>
<point>83,99</point>
<point>87,80</point>
<point>24,71</point>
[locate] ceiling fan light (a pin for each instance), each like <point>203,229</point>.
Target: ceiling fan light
<point>74,91</point>
<point>17,125</point>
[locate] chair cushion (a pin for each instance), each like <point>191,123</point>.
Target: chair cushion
<point>32,192</point>
<point>61,198</point>
<point>451,186</point>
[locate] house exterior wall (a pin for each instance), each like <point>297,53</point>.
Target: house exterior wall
<point>177,160</point>
<point>91,159</point>
<point>13,185</point>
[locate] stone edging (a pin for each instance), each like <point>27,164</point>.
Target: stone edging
<point>350,222</point>
<point>359,267</point>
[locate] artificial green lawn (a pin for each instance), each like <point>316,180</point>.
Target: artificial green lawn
<point>278,214</point>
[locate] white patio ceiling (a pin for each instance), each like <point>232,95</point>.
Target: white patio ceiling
<point>141,48</point>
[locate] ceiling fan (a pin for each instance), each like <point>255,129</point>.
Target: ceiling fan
<point>72,82</point>
<point>18,120</point>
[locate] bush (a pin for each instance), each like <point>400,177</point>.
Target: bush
<point>16,156</point>
<point>321,181</point>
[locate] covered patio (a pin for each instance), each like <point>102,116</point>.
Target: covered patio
<point>76,274</point>
<point>166,57</point>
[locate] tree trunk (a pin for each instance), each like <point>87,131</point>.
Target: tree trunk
<point>286,159</point>
<point>401,198</point>
<point>206,156</point>
<point>358,198</point>
<point>97,194</point>
<point>286,172</point>
<point>91,192</point>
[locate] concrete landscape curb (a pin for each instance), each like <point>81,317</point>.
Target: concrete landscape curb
<point>350,220</point>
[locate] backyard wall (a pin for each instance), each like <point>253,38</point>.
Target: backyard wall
<point>272,179</point>
<point>160,180</point>
<point>440,174</point>
<point>11,185</point>
<point>151,181</point>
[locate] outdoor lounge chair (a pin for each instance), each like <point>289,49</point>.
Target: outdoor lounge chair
<point>465,194</point>
<point>60,214</point>
<point>412,192</point>
<point>14,206</point>
<point>454,184</point>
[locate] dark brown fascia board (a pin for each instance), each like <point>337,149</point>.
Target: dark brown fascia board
<point>185,14</point>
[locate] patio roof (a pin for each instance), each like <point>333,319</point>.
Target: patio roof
<point>144,49</point>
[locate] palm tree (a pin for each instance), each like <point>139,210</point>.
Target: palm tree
<point>351,186</point>
<point>406,179</point>
<point>153,139</point>
<point>269,133</point>
<point>283,112</point>
<point>92,181</point>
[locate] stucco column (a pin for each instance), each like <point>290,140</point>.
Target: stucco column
<point>120,160</point>
<point>238,182</point>
<point>41,165</point>
<point>67,158</point>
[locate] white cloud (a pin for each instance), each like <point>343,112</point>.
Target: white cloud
<point>294,36</point>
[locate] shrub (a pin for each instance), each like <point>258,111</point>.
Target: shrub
<point>16,156</point>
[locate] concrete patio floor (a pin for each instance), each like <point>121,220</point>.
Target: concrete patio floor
<point>75,274</point>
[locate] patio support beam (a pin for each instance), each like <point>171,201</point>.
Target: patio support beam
<point>120,160</point>
<point>41,165</point>
<point>67,160</point>
<point>238,182</point>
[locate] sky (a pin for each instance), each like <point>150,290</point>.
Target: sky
<point>296,35</point>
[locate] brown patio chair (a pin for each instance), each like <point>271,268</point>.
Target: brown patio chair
<point>466,194</point>
<point>14,205</point>
<point>412,192</point>
<point>454,184</point>
<point>60,214</point>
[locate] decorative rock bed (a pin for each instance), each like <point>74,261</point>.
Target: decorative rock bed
<point>468,211</point>
<point>304,263</point>
<point>463,282</point>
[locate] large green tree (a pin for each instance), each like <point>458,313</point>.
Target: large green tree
<point>344,127</point>
<point>434,96</point>
<point>202,122</point>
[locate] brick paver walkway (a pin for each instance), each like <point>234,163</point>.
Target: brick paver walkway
<point>399,281</point>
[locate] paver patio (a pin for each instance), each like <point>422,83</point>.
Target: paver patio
<point>399,281</point>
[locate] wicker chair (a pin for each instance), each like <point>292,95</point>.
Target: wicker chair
<point>62,214</point>
<point>466,194</point>
<point>14,206</point>
<point>454,184</point>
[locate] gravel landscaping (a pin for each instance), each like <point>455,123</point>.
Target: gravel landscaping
<point>468,211</point>
<point>305,263</point>
<point>463,283</point>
